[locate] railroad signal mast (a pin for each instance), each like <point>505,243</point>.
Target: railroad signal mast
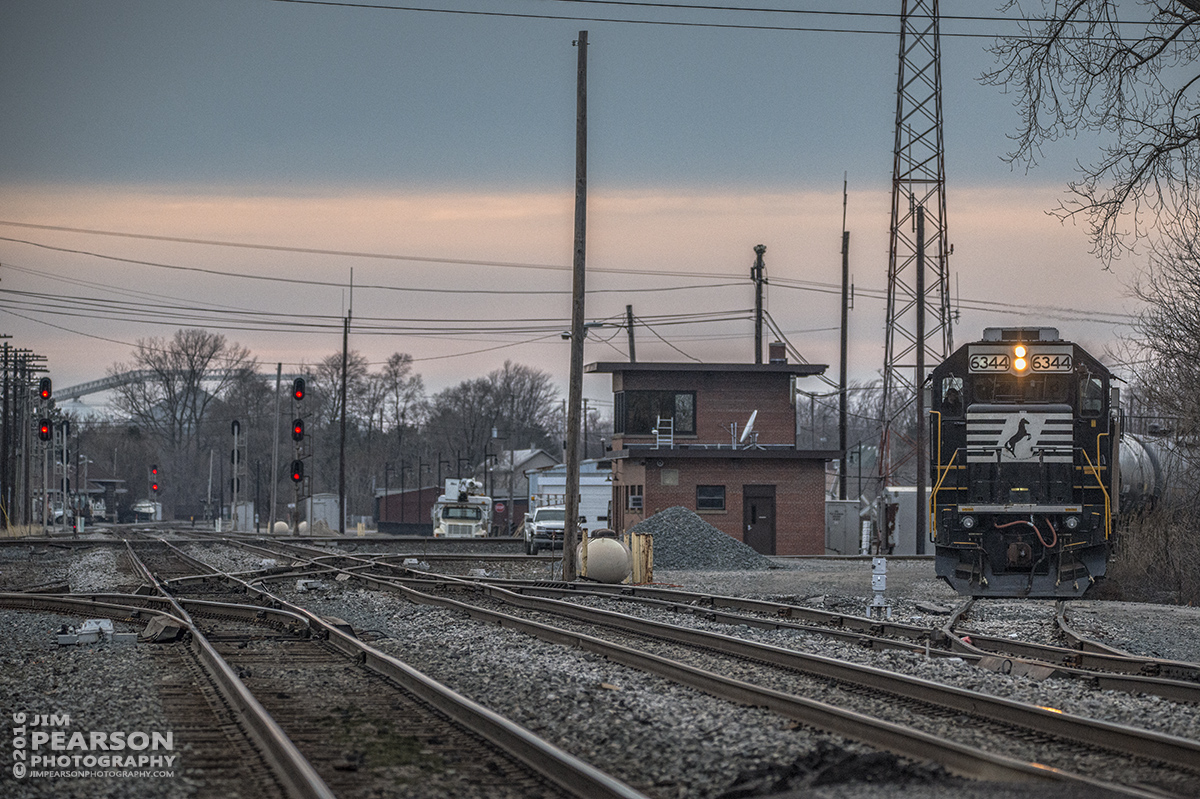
<point>238,468</point>
<point>45,434</point>
<point>918,328</point>
<point>302,448</point>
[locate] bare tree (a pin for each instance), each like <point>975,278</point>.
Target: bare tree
<point>461,418</point>
<point>1079,68</point>
<point>1167,332</point>
<point>328,376</point>
<point>183,383</point>
<point>405,390</point>
<point>181,378</point>
<point>524,399</point>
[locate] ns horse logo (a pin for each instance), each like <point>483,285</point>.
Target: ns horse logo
<point>1017,437</point>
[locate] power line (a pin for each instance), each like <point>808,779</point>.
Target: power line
<point>703,25</point>
<point>1079,314</point>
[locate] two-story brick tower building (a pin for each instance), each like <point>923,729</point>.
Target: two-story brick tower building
<point>679,439</point>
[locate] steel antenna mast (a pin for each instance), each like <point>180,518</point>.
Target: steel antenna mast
<point>918,180</point>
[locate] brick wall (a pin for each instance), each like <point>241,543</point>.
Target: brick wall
<point>723,398</point>
<point>799,494</point>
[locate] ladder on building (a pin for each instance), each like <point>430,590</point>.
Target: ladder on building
<point>664,433</point>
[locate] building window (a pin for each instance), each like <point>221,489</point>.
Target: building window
<point>636,413</point>
<point>710,497</point>
<point>633,497</point>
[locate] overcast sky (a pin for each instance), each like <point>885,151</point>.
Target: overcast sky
<point>434,153</point>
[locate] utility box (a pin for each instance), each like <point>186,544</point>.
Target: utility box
<point>842,527</point>
<point>243,513</point>
<point>322,513</point>
<point>901,524</point>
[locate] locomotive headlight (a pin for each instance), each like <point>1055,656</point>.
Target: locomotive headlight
<point>1072,522</point>
<point>967,522</point>
<point>1019,362</point>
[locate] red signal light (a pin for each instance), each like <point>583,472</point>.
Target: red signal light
<point>154,486</point>
<point>297,471</point>
<point>298,430</point>
<point>44,430</point>
<point>298,388</point>
<point>44,388</point>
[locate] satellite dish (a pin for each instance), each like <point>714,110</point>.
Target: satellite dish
<point>749,428</point>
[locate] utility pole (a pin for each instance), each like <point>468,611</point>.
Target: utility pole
<point>275,452</point>
<point>575,387</point>
<point>842,382</point>
<point>756,273</point>
<point>629,330</point>
<point>342,446</point>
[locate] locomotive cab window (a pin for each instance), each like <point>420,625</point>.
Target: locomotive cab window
<point>1091,396</point>
<point>952,402</point>
<point>1028,388</point>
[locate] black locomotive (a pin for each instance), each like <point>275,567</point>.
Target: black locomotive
<point>1024,452</point>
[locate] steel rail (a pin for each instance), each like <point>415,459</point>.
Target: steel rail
<point>958,758</point>
<point>1108,671</point>
<point>1141,743</point>
<point>1117,672</point>
<point>1089,648</point>
<point>1103,734</point>
<point>289,766</point>
<point>556,765</point>
<point>1129,674</point>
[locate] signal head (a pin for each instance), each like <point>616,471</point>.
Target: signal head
<point>44,387</point>
<point>297,471</point>
<point>298,388</point>
<point>45,430</point>
<point>154,487</point>
<point>298,430</point>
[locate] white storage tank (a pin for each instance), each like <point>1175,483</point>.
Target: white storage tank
<point>609,560</point>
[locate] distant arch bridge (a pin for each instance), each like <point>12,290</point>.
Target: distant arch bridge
<point>140,375</point>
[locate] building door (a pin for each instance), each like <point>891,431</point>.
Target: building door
<point>758,518</point>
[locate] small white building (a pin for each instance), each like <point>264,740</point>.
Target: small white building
<point>547,486</point>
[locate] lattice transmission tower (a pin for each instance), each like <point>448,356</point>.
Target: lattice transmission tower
<point>918,182</point>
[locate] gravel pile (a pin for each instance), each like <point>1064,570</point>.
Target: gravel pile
<point>682,540</point>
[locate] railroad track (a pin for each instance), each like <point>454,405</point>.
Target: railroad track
<point>1102,667</point>
<point>1095,664</point>
<point>362,720</point>
<point>1099,666</point>
<point>1140,763</point>
<point>215,750</point>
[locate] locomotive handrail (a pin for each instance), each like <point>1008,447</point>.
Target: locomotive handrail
<point>1095,470</point>
<point>943,471</point>
<point>933,495</point>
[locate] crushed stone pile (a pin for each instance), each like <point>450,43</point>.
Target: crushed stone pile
<point>683,540</point>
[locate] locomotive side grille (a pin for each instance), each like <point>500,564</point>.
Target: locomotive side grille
<point>1019,436</point>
